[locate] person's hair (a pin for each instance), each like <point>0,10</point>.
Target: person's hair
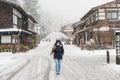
<point>57,42</point>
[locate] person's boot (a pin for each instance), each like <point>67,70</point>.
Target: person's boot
<point>57,73</point>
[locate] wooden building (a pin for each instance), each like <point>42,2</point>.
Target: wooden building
<point>99,24</point>
<point>68,31</point>
<point>17,28</point>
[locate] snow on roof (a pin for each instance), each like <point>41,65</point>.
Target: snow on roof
<point>68,30</point>
<point>19,8</point>
<point>117,31</point>
<point>7,30</point>
<point>14,30</point>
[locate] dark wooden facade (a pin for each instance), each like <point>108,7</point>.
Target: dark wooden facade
<point>17,26</point>
<point>99,24</point>
<point>6,17</point>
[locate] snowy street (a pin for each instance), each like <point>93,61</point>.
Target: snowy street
<point>32,65</point>
<point>59,40</point>
<point>37,64</point>
<point>86,65</point>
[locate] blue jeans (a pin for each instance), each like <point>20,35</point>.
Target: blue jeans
<point>57,65</point>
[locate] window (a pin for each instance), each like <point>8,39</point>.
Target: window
<point>101,10</point>
<point>5,39</point>
<point>14,26</point>
<point>17,19</point>
<point>118,5</point>
<point>113,5</point>
<point>88,22</point>
<point>101,18</point>
<point>112,15</point>
<point>31,25</point>
<point>101,15</point>
<point>94,17</point>
<point>14,39</point>
<point>14,19</point>
<point>15,12</point>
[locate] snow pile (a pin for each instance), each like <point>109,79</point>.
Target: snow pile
<point>55,35</point>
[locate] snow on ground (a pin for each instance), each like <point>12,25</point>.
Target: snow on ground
<point>86,65</point>
<point>11,60</point>
<point>32,65</point>
<point>10,64</point>
<point>37,64</point>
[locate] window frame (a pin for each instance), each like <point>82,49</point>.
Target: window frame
<point>17,19</point>
<point>111,17</point>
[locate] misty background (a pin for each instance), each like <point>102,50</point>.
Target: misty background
<point>51,15</point>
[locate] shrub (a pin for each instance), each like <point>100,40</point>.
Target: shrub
<point>96,47</point>
<point>24,48</point>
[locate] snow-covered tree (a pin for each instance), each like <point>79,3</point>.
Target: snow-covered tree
<point>14,1</point>
<point>45,19</point>
<point>32,7</point>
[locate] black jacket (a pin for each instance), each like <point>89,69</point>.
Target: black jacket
<point>58,52</point>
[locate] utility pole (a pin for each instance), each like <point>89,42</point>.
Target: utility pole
<point>18,44</point>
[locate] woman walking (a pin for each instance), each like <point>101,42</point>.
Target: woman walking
<point>58,52</point>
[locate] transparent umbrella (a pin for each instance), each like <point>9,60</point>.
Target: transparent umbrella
<point>55,35</point>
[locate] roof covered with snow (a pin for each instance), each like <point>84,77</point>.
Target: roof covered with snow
<point>14,30</point>
<point>18,7</point>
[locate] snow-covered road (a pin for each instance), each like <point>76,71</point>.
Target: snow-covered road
<point>37,64</point>
<point>10,66</point>
<point>86,65</point>
<point>32,65</point>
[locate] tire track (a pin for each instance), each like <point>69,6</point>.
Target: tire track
<point>10,77</point>
<point>44,74</point>
<point>12,74</point>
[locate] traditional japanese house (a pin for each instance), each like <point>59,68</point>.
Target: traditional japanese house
<point>99,24</point>
<point>68,31</point>
<point>17,28</point>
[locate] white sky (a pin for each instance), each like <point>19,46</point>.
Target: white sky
<point>70,10</point>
